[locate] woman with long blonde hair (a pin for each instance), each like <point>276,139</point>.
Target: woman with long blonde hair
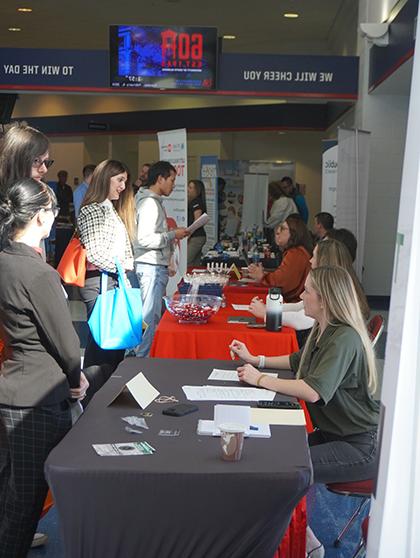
<point>335,375</point>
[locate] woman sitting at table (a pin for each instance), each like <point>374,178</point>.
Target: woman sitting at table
<point>294,239</point>
<point>335,375</point>
<point>328,252</point>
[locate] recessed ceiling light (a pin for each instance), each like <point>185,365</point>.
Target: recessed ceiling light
<point>291,15</point>
<point>15,29</point>
<point>229,37</point>
<point>25,10</point>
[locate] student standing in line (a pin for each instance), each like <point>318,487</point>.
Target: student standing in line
<point>80,192</point>
<point>153,246</point>
<point>24,153</point>
<point>106,227</point>
<point>336,376</point>
<point>41,370</point>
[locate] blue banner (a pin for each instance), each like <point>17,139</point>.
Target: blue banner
<point>325,76</point>
<point>287,75</point>
<point>49,68</point>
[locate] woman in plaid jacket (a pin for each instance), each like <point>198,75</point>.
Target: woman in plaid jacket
<point>106,227</point>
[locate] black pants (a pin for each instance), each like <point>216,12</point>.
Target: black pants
<point>94,355</point>
<point>27,435</point>
<point>343,459</point>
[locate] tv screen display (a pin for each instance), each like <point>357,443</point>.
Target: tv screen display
<point>164,57</point>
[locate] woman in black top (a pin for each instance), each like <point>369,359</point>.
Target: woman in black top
<point>41,370</point>
<point>196,207</point>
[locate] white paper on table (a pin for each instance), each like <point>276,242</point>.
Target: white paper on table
<point>200,222</point>
<point>237,414</point>
<point>247,280</point>
<point>230,375</point>
<point>142,390</point>
<point>284,417</point>
<point>241,307</point>
<point>208,428</point>
<point>223,393</point>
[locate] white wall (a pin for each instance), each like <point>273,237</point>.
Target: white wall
<point>385,116</point>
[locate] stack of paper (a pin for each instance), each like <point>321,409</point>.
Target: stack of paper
<point>225,393</point>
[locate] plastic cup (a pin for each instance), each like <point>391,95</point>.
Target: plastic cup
<point>232,441</point>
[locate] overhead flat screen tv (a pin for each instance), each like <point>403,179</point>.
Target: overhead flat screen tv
<point>164,57</point>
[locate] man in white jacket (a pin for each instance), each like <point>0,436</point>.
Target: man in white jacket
<point>153,247</point>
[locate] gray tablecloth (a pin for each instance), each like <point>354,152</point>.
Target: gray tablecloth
<point>183,501</point>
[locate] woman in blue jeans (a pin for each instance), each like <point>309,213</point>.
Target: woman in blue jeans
<point>335,375</point>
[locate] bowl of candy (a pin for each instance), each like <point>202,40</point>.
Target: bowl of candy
<point>192,308</point>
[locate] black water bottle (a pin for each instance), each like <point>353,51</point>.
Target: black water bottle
<point>274,310</point>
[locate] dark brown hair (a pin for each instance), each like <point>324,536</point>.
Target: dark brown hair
<point>299,234</point>
<point>19,148</point>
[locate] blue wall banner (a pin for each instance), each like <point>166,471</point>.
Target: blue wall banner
<point>54,68</point>
<point>334,77</point>
<point>290,75</point>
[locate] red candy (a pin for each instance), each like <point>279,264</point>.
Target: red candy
<point>190,312</point>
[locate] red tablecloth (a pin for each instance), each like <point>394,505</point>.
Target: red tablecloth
<point>211,340</point>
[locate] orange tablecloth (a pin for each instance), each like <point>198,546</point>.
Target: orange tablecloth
<point>211,340</point>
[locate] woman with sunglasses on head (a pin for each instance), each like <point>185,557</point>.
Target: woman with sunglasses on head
<point>335,373</point>
<point>293,238</point>
<point>106,228</point>
<point>41,371</point>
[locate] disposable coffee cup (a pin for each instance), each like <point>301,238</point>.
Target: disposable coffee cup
<point>232,441</point>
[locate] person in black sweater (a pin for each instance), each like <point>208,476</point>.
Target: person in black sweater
<point>41,370</point>
<point>196,207</point>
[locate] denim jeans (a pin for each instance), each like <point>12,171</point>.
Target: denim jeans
<point>345,458</point>
<point>153,280</point>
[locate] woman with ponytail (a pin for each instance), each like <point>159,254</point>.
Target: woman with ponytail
<point>41,371</point>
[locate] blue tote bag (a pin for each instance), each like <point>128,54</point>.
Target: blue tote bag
<point>117,317</point>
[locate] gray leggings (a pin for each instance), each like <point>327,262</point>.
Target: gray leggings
<point>343,459</point>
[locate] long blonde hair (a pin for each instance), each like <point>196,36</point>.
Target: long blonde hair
<point>336,290</point>
<point>331,252</point>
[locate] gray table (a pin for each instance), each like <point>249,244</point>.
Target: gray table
<point>183,501</point>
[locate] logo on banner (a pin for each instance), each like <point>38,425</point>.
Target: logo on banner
<point>330,164</point>
<point>172,147</point>
<point>181,50</point>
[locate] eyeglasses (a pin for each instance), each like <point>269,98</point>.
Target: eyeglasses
<point>55,210</point>
<point>38,163</point>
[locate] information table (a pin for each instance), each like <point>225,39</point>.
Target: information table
<point>211,340</point>
<point>183,501</point>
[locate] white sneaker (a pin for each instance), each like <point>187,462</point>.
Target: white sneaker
<point>39,540</point>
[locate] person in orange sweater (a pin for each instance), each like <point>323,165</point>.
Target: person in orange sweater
<point>294,240</point>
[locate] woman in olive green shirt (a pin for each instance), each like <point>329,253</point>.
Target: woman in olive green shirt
<point>335,375</point>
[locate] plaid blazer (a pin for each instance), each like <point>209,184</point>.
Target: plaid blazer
<point>98,225</point>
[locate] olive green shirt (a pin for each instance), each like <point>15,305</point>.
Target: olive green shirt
<point>335,367</point>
